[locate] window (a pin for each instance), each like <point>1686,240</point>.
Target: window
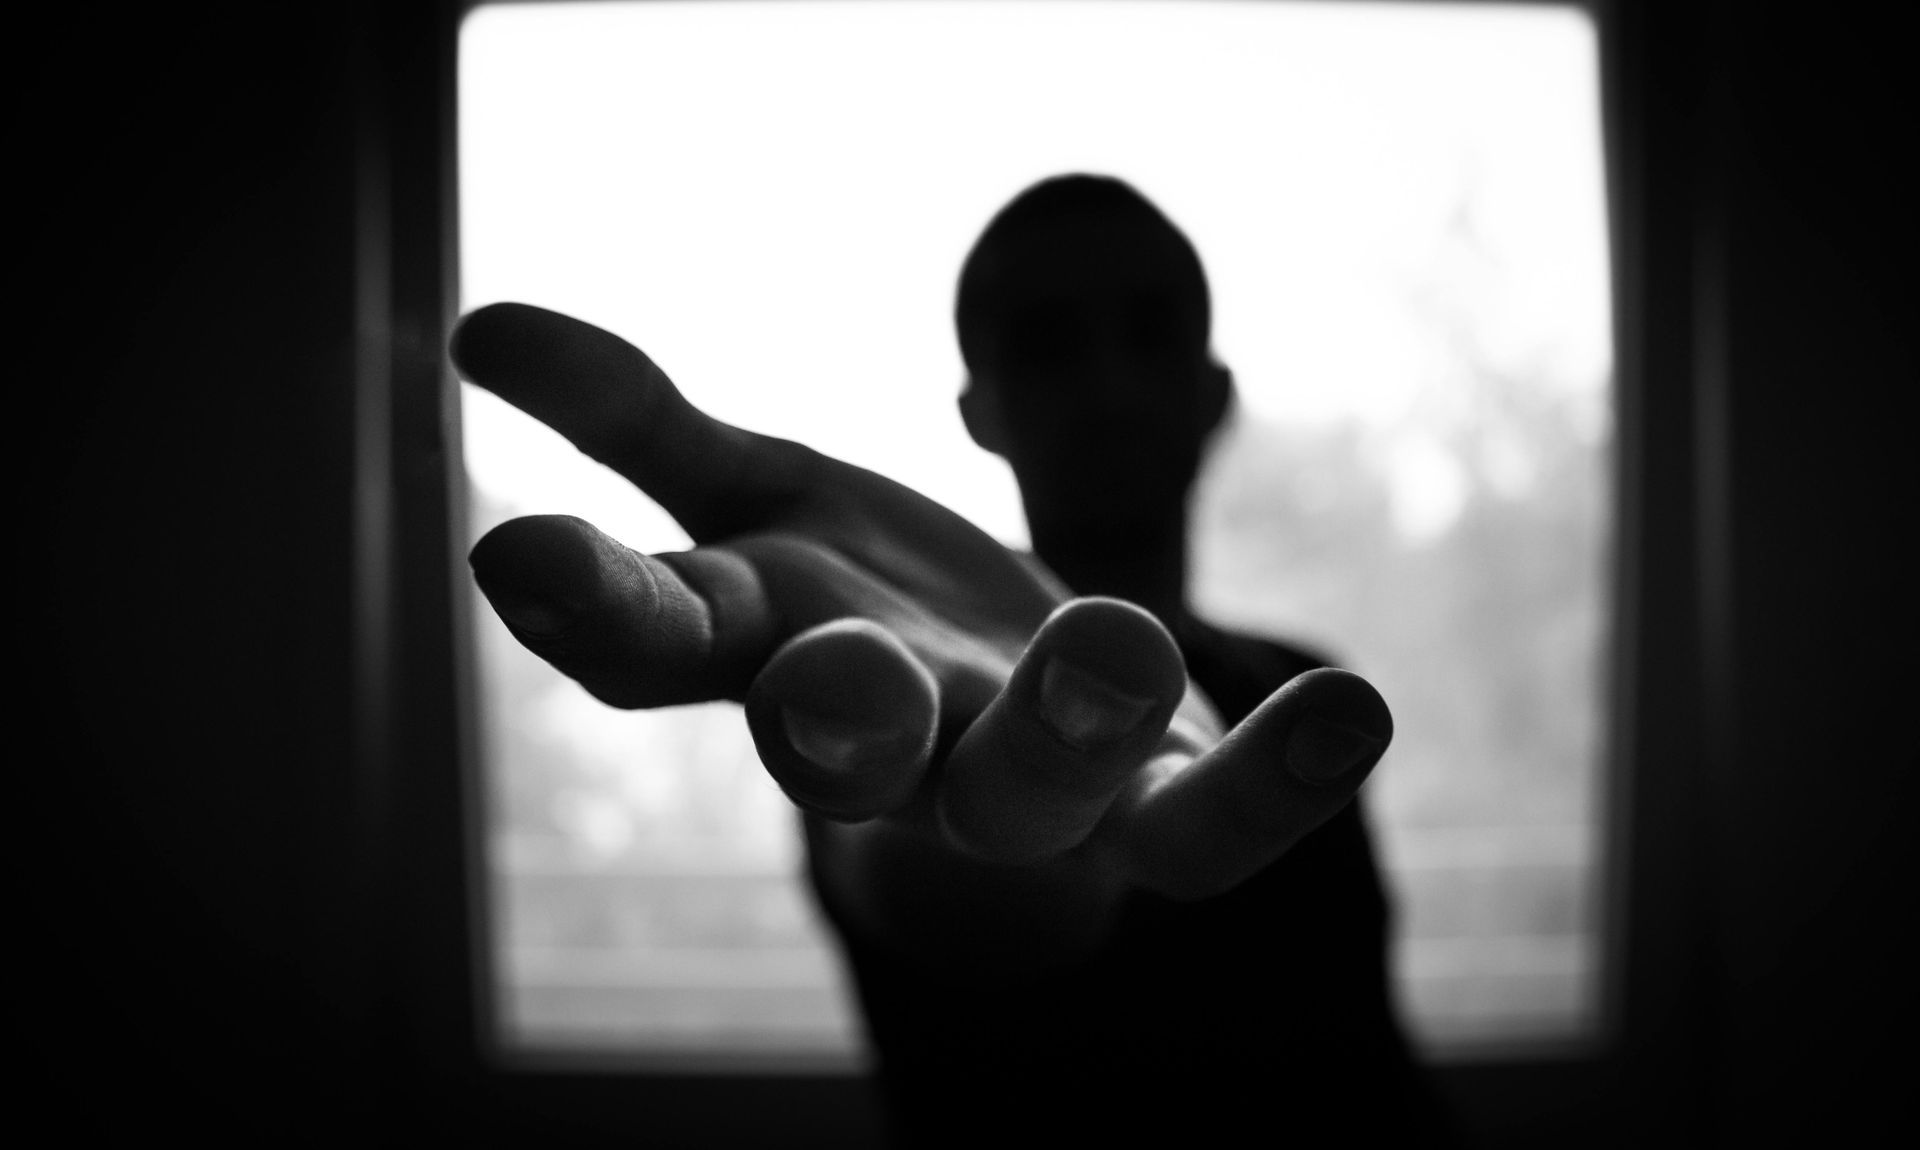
<point>1402,211</point>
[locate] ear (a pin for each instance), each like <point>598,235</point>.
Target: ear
<point>1216,398</point>
<point>986,420</point>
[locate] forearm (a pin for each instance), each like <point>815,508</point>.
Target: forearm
<point>1193,1016</point>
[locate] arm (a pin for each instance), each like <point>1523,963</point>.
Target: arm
<point>932,703</point>
<point>1050,860</point>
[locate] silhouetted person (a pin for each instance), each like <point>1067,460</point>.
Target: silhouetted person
<point>1076,902</point>
<point>1083,318</point>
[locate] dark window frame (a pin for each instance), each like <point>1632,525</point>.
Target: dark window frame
<point>417,702</point>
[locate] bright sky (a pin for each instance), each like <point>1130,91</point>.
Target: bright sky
<point>773,199</point>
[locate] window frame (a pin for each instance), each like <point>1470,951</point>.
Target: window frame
<point>418,728</point>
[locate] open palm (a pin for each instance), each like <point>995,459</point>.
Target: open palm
<point>987,764</point>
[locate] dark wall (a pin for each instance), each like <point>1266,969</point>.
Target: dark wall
<point>233,927</point>
<point>190,305</point>
<point>1809,596</point>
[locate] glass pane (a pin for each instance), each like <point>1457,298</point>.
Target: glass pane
<point>1402,213</point>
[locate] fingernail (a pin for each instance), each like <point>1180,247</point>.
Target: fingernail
<point>1084,709</point>
<point>528,613</point>
<point>1320,750</point>
<point>830,744</point>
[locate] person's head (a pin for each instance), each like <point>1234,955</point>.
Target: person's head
<point>1083,318</point>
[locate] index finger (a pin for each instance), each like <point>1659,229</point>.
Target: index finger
<point>1198,831</point>
<point>616,405</point>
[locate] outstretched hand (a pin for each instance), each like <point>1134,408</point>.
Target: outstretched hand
<point>988,765</point>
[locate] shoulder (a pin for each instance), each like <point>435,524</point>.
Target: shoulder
<point>1239,670</point>
<point>1264,653</point>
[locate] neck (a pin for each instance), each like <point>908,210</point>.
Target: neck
<point>1144,562</point>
